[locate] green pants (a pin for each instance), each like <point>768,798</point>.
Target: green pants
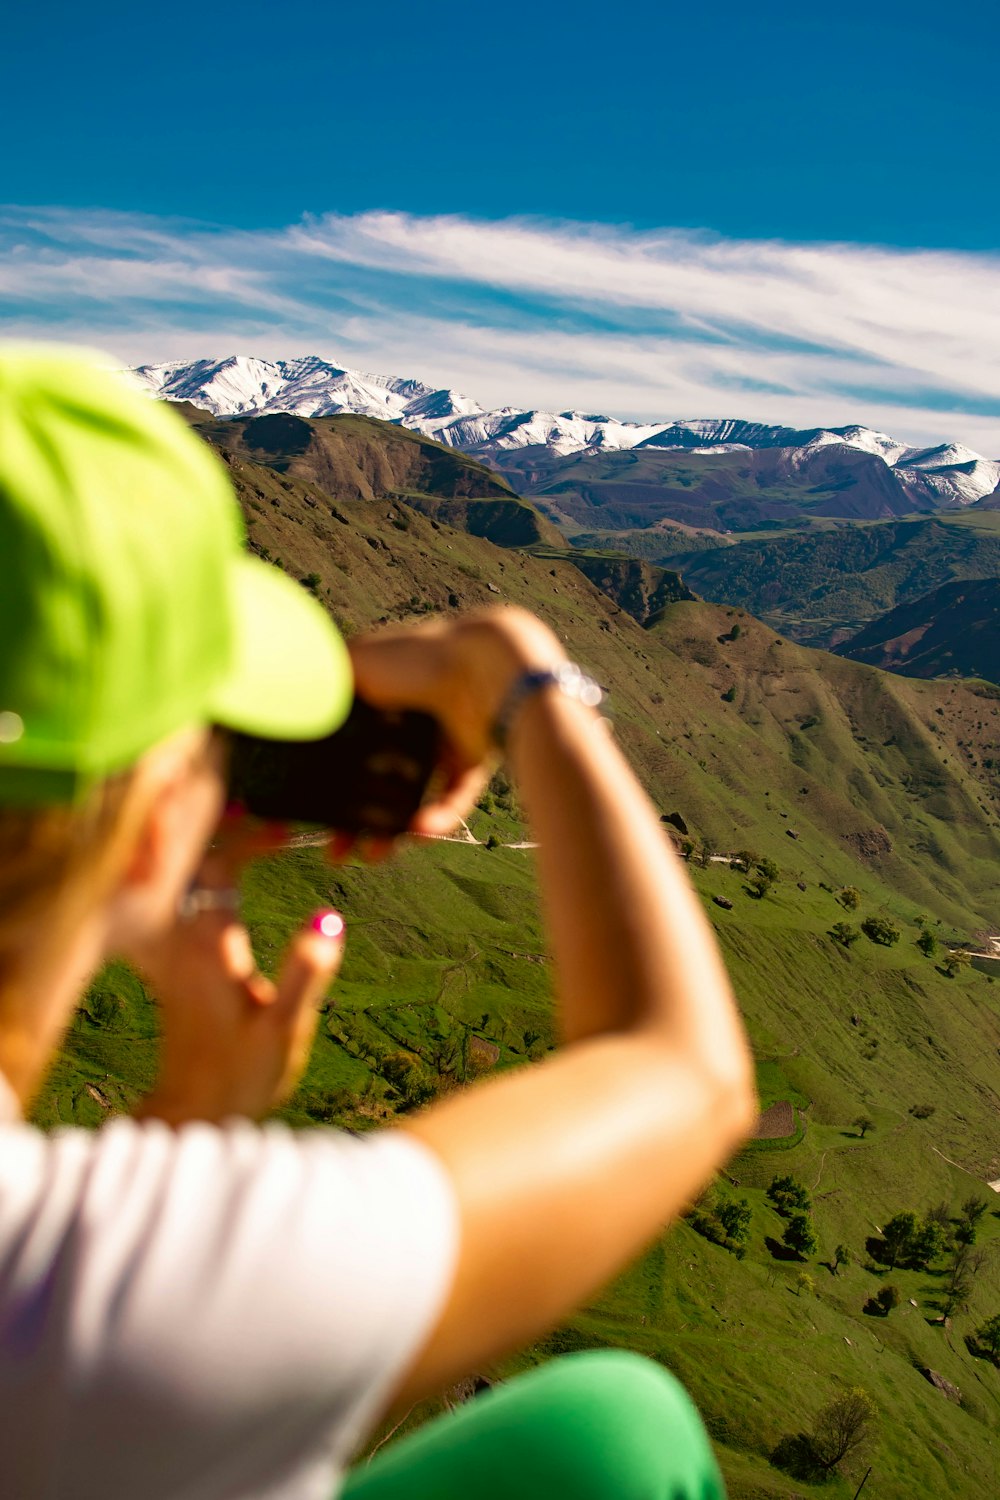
<point>605,1425</point>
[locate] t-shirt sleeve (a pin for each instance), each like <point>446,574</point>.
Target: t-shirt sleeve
<point>213,1312</point>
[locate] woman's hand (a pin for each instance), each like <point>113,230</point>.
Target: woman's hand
<point>234,1042</point>
<point>459,670</point>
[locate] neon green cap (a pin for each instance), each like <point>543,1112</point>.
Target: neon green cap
<point>128,607</point>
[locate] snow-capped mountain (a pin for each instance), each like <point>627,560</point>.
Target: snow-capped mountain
<point>312,387</point>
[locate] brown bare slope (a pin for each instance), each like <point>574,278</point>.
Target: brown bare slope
<point>352,458</point>
<point>952,631</point>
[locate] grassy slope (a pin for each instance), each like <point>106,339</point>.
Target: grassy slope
<point>445,946</point>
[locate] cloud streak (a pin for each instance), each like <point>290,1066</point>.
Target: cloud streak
<point>646,325</point>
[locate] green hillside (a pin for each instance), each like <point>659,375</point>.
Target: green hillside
<point>821,586</point>
<point>841,776</point>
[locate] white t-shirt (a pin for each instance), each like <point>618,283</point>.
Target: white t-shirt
<point>208,1313</point>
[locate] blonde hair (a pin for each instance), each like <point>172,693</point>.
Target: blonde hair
<point>56,862</point>
<point>59,862</point>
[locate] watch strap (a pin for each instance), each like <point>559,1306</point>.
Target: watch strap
<point>567,677</point>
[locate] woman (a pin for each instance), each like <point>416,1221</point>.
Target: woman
<point>194,1307</point>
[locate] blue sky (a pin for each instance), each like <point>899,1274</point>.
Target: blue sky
<point>772,210</point>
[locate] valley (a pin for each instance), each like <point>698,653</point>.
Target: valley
<point>873,797</point>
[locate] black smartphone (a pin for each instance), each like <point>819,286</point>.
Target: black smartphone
<point>369,777</point>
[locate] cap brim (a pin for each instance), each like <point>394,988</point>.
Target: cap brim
<point>291,675</point>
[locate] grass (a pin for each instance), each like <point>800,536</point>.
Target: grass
<point>884,782</point>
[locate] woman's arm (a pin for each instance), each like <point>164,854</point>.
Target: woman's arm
<point>564,1170</point>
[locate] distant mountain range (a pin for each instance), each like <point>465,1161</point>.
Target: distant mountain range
<point>597,471</point>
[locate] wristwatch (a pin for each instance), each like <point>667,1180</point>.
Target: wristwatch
<point>570,680</point>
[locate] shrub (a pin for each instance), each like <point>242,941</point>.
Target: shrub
<point>887,1298</point>
<point>726,1223</point>
<point>789,1195</point>
<point>898,1236</point>
<point>927,942</point>
<point>849,897</point>
<point>988,1334</point>
<point>734,1215</point>
<point>927,1244</point>
<point>880,930</point>
<point>843,1426</point>
<point>844,934</point>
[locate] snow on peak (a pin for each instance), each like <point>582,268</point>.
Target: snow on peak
<point>312,387</point>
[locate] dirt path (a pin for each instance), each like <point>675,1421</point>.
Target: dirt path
<point>317,840</point>
<point>958,1164</point>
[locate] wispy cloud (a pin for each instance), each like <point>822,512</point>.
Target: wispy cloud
<point>647,325</point>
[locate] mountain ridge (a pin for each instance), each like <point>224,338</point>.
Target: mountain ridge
<point>239,385</point>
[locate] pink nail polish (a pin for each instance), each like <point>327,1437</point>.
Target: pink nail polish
<point>329,924</point>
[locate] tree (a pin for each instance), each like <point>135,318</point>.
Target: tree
<point>955,961</point>
<point>849,897</point>
<point>927,943</point>
<point>768,869</point>
<point>965,1266</point>
<point>734,1214</point>
<point>799,1236</point>
<point>880,930</point>
<point>897,1235</point>
<point>841,1257</point>
<point>862,1125</point>
<point>760,885</point>
<point>988,1335</point>
<point>844,934</point>
<point>972,1211</point>
<point>927,1243</point>
<point>805,1283</point>
<point>787,1194</point>
<point>887,1298</point>
<point>842,1426</point>
<point>744,860</point>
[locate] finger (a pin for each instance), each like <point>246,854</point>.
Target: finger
<point>340,847</point>
<point>237,843</point>
<point>395,668</point>
<point>452,804</point>
<point>375,850</point>
<point>311,962</point>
